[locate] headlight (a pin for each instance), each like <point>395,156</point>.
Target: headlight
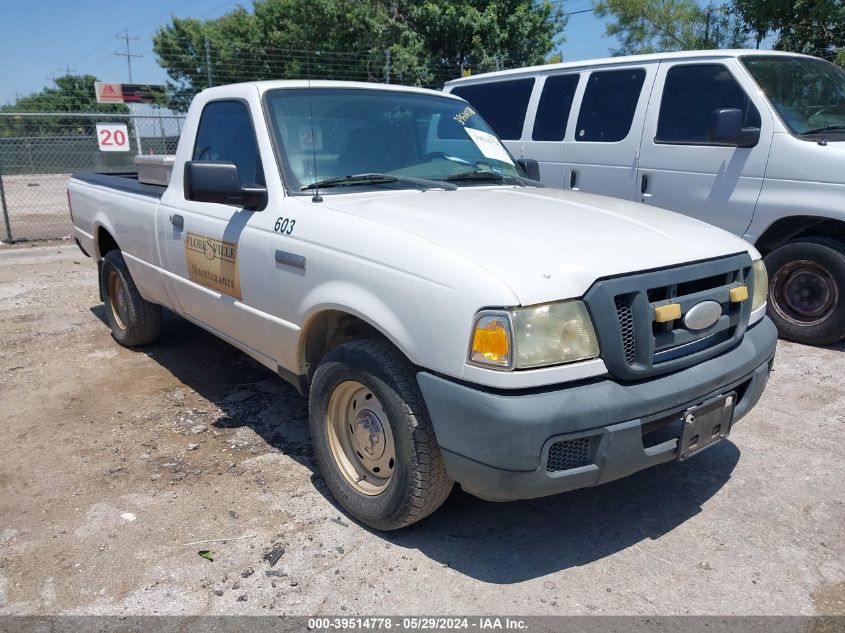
<point>536,336</point>
<point>761,284</point>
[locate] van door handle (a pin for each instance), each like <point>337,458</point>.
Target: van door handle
<point>177,221</point>
<point>644,187</point>
<point>573,179</point>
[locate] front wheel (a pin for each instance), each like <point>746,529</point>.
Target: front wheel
<point>807,290</point>
<point>372,438</point>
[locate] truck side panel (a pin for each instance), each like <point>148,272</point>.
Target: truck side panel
<point>127,218</point>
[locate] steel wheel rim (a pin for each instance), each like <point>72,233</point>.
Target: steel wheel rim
<point>360,438</point>
<point>117,299</point>
<point>804,293</point>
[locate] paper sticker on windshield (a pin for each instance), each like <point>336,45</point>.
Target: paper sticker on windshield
<point>465,115</point>
<point>489,145</point>
<point>213,264</point>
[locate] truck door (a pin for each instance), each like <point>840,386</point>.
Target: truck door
<point>601,153</point>
<point>211,250</point>
<point>680,169</point>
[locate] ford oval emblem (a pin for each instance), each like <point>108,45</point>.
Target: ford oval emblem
<point>702,315</point>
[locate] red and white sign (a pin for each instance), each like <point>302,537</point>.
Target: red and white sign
<point>113,137</point>
<point>108,93</point>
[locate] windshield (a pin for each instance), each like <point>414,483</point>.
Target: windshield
<point>808,94</point>
<point>405,138</point>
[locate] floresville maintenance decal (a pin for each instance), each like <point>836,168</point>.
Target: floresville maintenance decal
<point>213,264</point>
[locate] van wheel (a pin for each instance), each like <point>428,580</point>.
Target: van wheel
<point>372,437</point>
<point>133,320</point>
<point>807,290</point>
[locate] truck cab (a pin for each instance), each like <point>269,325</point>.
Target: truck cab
<point>448,318</point>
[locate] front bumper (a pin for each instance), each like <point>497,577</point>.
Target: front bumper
<point>497,444</point>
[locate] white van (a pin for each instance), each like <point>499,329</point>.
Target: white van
<point>752,141</point>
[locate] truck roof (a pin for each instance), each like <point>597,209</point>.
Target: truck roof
<point>616,61</point>
<point>275,84</point>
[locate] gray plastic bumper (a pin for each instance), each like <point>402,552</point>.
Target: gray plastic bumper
<point>496,444</point>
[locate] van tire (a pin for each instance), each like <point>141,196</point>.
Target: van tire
<point>418,483</point>
<point>133,320</point>
<point>807,290</point>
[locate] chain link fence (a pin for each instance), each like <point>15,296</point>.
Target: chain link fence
<point>39,151</point>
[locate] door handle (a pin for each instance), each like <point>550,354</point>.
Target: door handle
<point>573,179</point>
<point>644,187</point>
<point>177,221</point>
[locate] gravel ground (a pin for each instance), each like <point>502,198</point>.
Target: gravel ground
<point>116,462</point>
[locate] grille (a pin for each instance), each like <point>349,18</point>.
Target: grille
<point>635,347</point>
<point>568,454</point>
<point>626,323</point>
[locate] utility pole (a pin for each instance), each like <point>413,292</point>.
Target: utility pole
<point>208,60</point>
<point>128,54</point>
<point>52,78</point>
<point>68,70</point>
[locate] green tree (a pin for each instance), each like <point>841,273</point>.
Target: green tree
<point>649,26</point>
<point>428,42</point>
<point>815,27</point>
<point>72,93</point>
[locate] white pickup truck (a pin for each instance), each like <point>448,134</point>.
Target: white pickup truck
<point>449,319</point>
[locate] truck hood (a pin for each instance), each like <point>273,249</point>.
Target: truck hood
<point>545,244</point>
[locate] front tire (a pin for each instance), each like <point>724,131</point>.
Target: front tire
<point>133,320</point>
<point>372,437</point>
<point>807,290</point>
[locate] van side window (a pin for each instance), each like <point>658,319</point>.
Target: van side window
<point>691,94</point>
<point>226,134</point>
<point>503,104</point>
<point>608,106</point>
<point>553,109</point>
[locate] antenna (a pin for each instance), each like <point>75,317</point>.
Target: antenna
<point>316,197</point>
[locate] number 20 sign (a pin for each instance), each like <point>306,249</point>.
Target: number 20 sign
<point>112,137</point>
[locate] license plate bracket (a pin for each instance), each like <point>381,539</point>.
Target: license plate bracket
<point>706,424</point>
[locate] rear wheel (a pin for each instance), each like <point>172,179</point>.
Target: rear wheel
<point>372,437</point>
<point>133,320</point>
<point>807,290</point>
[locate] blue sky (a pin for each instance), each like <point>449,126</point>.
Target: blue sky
<point>39,39</point>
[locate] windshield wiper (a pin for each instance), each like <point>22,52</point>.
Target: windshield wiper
<point>479,176</point>
<point>491,176</point>
<point>374,179</point>
<point>821,130</point>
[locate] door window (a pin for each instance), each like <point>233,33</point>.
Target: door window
<point>226,134</point>
<point>690,96</point>
<point>553,109</point>
<point>503,104</point>
<point>608,106</point>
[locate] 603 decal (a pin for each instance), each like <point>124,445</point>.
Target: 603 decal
<point>284,226</point>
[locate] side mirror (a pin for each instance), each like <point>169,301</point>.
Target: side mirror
<point>212,181</point>
<point>530,167</point>
<point>726,129</point>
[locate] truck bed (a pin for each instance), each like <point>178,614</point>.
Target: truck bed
<point>122,181</point>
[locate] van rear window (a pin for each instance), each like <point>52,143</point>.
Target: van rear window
<point>553,109</point>
<point>503,104</point>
